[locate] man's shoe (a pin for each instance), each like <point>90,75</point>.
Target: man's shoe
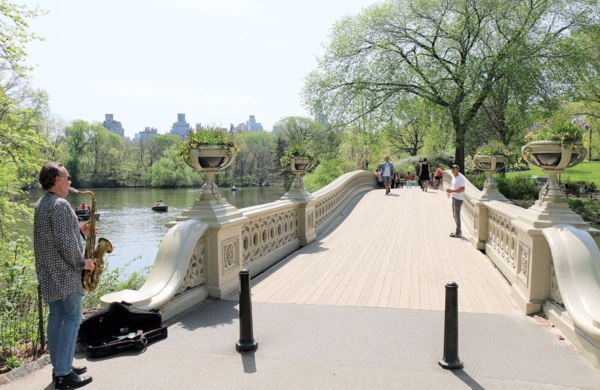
<point>455,235</point>
<point>77,370</point>
<point>71,381</point>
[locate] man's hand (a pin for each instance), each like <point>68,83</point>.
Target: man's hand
<point>85,228</point>
<point>90,264</point>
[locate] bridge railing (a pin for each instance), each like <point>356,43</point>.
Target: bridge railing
<point>201,257</point>
<point>548,256</point>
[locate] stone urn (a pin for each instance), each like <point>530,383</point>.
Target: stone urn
<point>490,164</point>
<point>298,166</point>
<point>209,160</point>
<point>553,158</point>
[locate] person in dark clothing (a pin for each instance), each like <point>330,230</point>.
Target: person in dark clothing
<point>424,174</point>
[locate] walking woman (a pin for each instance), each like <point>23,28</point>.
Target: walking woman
<point>424,174</point>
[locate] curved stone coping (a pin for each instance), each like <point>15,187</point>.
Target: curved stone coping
<point>333,186</point>
<point>576,260</point>
<point>170,266</point>
<point>508,210</point>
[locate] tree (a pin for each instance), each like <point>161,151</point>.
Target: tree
<point>308,132</point>
<point>408,125</point>
<point>15,34</point>
<point>449,52</point>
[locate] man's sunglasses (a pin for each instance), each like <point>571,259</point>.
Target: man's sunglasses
<point>68,177</point>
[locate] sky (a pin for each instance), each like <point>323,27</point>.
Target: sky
<point>145,61</point>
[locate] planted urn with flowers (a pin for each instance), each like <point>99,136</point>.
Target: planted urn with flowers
<point>554,147</point>
<point>298,159</point>
<point>209,150</point>
<point>489,158</point>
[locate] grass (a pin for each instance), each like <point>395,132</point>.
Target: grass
<point>586,171</point>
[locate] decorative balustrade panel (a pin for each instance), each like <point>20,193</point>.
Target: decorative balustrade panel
<point>263,234</point>
<point>470,214</point>
<point>194,276</point>
<point>502,238</point>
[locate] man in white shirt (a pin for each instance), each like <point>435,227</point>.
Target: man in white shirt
<point>387,171</point>
<point>456,191</point>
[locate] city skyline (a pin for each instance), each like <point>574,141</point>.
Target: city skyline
<point>147,60</point>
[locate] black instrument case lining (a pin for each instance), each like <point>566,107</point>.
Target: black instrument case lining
<point>102,333</point>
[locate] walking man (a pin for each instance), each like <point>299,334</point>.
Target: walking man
<point>58,263</point>
<point>456,191</point>
<point>387,171</point>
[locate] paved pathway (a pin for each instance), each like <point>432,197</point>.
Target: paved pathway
<point>339,314</point>
<point>391,251</point>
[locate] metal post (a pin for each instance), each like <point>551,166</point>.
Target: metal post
<point>450,360</point>
<point>246,343</point>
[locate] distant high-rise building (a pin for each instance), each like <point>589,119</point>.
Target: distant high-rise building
<point>113,126</point>
<point>181,127</point>
<point>198,126</point>
<point>252,125</point>
<point>148,133</point>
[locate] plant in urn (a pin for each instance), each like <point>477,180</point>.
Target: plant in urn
<point>553,148</point>
<point>208,150</point>
<point>299,160</point>
<point>489,158</point>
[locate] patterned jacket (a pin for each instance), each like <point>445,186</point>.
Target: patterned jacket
<point>58,248</point>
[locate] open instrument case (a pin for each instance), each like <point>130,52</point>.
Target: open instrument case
<point>120,327</point>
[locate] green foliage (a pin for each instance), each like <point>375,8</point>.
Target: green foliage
<point>171,171</point>
<point>324,174</point>
<point>512,187</point>
<point>12,362</point>
<point>296,149</point>
<point>589,209</point>
<point>411,164</point>
<point>15,34</point>
<point>567,133</point>
<point>496,148</point>
<point>454,54</point>
<point>113,280</point>
<point>207,137</point>
<point>493,148</point>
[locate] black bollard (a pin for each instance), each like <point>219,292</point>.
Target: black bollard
<point>246,343</point>
<point>450,360</point>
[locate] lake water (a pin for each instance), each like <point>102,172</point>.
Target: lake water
<point>127,221</point>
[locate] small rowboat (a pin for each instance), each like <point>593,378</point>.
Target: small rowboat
<point>86,217</point>
<point>160,208</point>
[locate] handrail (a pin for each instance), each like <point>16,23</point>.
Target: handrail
<point>576,263</point>
<point>182,245</point>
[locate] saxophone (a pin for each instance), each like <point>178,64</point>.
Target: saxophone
<point>91,279</point>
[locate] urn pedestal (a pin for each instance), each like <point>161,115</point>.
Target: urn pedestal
<point>210,206</point>
<point>298,166</point>
<point>489,164</point>
<point>553,158</point>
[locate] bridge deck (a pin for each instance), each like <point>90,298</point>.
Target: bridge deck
<point>390,251</point>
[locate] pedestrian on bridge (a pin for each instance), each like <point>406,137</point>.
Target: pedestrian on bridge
<point>387,171</point>
<point>424,174</point>
<point>456,191</point>
<point>408,180</point>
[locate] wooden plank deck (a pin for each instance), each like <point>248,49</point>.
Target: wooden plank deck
<point>390,251</point>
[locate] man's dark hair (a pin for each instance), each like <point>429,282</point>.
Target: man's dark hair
<point>49,173</point>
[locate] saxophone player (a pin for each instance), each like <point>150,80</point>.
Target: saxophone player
<point>59,262</point>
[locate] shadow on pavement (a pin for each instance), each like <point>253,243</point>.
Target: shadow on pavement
<point>249,362</point>
<point>467,380</point>
<point>209,313</point>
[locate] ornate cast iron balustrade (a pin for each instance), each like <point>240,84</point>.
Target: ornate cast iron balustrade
<point>263,234</point>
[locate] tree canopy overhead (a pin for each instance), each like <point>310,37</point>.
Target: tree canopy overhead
<point>452,53</point>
